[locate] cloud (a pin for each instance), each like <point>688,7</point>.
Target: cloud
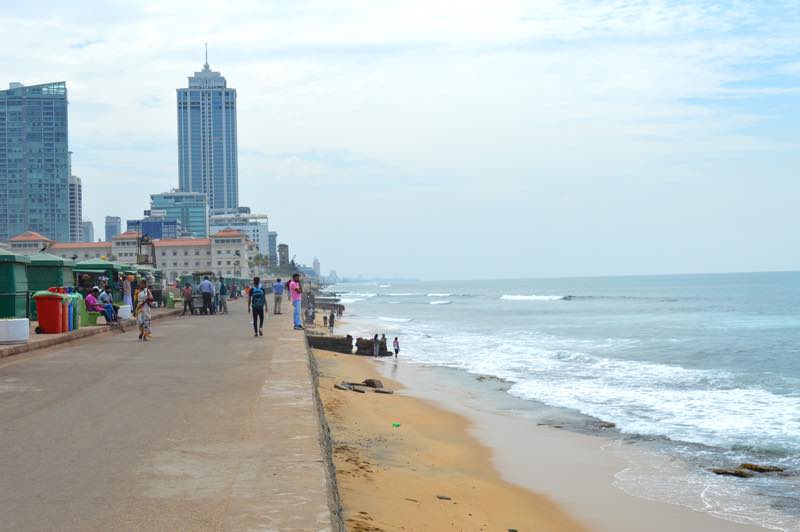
<point>86,44</point>
<point>440,115</point>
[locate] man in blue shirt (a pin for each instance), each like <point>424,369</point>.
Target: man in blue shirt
<point>207,290</point>
<point>277,289</point>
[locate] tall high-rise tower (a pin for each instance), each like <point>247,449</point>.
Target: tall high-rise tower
<point>75,209</point>
<point>34,161</point>
<point>207,148</point>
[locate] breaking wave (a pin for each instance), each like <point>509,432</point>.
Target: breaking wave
<point>532,297</point>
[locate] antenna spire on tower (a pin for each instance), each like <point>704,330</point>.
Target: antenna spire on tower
<point>206,65</point>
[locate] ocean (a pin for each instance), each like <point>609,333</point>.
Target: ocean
<point>704,369</point>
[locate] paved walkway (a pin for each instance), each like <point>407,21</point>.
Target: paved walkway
<point>203,428</point>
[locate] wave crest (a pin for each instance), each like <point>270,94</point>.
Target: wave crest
<point>532,297</point>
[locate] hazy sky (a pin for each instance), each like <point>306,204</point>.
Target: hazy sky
<point>453,139</point>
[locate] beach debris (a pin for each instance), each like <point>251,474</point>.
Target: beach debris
<point>361,387</point>
<point>384,390</point>
<point>444,497</point>
<point>512,530</point>
<point>412,500</point>
<point>343,386</point>
<point>733,472</point>
<point>761,468</point>
<point>607,425</point>
<point>396,424</point>
<point>372,383</point>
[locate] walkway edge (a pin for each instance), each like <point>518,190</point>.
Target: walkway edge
<point>326,443</point>
<point>85,332</point>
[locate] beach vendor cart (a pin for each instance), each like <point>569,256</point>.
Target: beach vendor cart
<point>197,297</point>
<point>97,272</point>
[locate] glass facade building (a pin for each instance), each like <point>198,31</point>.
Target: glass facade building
<point>207,147</point>
<point>113,227</point>
<point>34,161</point>
<point>188,208</point>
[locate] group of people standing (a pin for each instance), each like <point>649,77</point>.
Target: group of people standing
<point>379,345</point>
<point>214,293</point>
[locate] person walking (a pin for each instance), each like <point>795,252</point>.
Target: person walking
<point>331,320</point>
<point>296,293</point>
<point>396,346</point>
<point>277,290</point>
<point>187,299</point>
<point>376,346</point>
<point>223,296</point>
<point>144,301</point>
<point>207,291</point>
<point>256,302</point>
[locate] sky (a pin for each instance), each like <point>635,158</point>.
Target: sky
<point>453,140</point>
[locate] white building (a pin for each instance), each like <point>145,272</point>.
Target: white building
<point>183,256</point>
<point>79,251</point>
<point>254,226</point>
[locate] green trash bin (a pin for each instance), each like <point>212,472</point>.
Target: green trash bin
<point>170,300</point>
<point>79,306</point>
<point>46,270</point>
<point>13,285</point>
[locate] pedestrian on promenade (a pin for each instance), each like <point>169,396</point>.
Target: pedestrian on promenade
<point>217,284</point>
<point>296,293</point>
<point>143,304</point>
<point>256,302</point>
<point>223,296</point>
<point>376,346</point>
<point>396,345</point>
<point>126,292</point>
<point>207,291</point>
<point>187,299</point>
<point>331,320</point>
<point>277,289</point>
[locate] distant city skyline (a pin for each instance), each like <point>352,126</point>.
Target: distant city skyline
<point>433,140</point>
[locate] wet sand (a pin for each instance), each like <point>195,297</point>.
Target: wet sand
<point>427,474</point>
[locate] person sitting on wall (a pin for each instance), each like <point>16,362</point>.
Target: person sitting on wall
<point>106,298</point>
<point>92,305</point>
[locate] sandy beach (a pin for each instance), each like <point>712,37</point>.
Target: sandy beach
<point>426,474</point>
<point>499,471</point>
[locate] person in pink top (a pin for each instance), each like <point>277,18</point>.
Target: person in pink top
<point>296,292</point>
<point>92,305</point>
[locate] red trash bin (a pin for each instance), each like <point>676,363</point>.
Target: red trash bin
<point>49,308</point>
<point>66,301</point>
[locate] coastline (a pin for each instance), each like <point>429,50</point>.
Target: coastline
<point>426,474</point>
<point>579,472</point>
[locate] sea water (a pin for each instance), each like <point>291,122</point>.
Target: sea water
<point>704,368</point>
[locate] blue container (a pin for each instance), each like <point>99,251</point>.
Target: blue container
<point>71,316</point>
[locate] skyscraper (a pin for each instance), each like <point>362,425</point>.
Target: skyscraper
<point>34,161</point>
<point>75,209</point>
<point>113,227</point>
<point>272,246</point>
<point>87,231</point>
<point>207,148</point>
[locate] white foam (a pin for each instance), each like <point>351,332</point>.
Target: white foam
<point>394,320</point>
<point>441,302</point>
<point>403,294</point>
<point>384,286</point>
<point>368,294</point>
<point>532,297</point>
<point>439,295</point>
<point>345,301</point>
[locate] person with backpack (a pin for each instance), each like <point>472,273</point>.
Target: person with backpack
<point>257,301</point>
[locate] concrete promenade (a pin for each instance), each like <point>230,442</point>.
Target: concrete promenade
<point>203,428</point>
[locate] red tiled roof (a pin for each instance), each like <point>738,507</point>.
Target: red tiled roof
<point>171,242</point>
<point>126,235</point>
<point>227,232</point>
<point>29,236</point>
<point>79,245</point>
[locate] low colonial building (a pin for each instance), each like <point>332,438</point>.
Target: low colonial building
<point>227,252</point>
